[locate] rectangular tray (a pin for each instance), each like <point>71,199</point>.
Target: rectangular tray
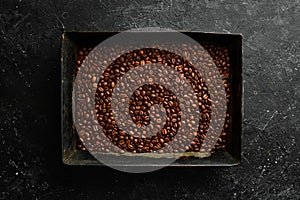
<point>71,41</point>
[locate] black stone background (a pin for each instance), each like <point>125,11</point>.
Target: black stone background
<point>31,166</point>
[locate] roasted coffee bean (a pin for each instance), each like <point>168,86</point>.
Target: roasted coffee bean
<point>142,100</point>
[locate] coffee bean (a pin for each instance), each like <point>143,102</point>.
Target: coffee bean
<point>145,100</point>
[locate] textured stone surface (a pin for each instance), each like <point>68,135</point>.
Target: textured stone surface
<point>30,151</point>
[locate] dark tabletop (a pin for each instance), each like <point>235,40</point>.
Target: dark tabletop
<point>30,159</point>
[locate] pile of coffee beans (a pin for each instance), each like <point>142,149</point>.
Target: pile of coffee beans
<point>148,95</point>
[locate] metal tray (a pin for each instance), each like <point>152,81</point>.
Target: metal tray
<point>71,41</point>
